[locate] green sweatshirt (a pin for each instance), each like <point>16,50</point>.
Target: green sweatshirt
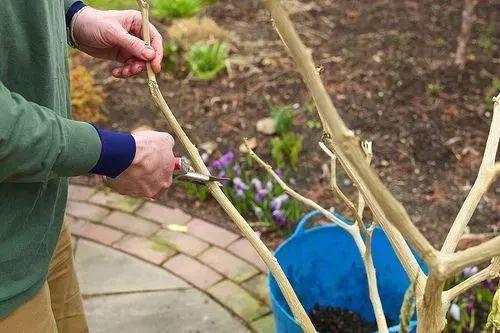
<point>39,145</point>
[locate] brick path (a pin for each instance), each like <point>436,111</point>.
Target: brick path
<point>214,260</point>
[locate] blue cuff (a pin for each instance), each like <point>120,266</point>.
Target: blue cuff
<point>117,153</point>
<point>72,11</point>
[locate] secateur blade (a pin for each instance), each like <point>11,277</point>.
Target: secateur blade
<point>184,171</point>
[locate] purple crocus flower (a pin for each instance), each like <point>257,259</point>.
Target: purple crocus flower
<point>278,201</point>
<point>239,184</point>
<point>222,174</point>
<point>279,217</point>
<point>227,159</point>
<point>469,308</point>
<point>204,157</point>
<point>257,184</point>
<point>260,195</point>
<point>217,164</point>
<point>236,169</point>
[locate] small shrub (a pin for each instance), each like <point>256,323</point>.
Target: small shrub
<point>86,96</point>
<point>283,117</point>
<point>164,9</point>
<point>206,60</point>
<point>286,149</point>
<point>433,89</point>
<point>172,55</point>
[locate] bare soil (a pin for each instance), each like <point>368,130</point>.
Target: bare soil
<point>377,60</point>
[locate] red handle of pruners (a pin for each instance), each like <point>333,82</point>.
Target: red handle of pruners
<point>177,163</point>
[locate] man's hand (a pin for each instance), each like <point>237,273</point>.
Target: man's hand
<point>116,35</point>
<point>150,174</point>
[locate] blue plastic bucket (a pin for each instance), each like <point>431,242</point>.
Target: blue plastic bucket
<point>324,267</point>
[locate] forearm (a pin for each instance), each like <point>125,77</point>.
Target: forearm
<point>36,144</point>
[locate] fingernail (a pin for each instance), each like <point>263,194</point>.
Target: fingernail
<point>148,52</point>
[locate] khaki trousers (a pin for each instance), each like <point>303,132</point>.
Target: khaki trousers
<point>58,307</point>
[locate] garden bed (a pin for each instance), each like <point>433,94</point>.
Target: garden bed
<point>389,68</point>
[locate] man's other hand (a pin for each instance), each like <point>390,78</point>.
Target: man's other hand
<point>150,174</point>
<point>116,35</point>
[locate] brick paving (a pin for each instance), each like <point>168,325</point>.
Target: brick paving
<point>208,257</point>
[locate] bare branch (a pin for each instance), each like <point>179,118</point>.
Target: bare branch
<point>455,262</point>
<point>336,190</point>
<point>489,272</point>
<point>268,258</point>
<point>367,148</point>
<point>342,142</point>
<point>483,181</point>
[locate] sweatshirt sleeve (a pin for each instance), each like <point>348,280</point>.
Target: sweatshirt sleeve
<point>69,3</point>
<point>36,144</point>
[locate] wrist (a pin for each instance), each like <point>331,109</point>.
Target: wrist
<point>80,20</point>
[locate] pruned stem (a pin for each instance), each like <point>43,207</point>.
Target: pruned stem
<point>271,262</point>
<point>487,173</point>
<point>336,190</point>
<point>296,195</point>
<point>489,272</point>
<point>364,246</point>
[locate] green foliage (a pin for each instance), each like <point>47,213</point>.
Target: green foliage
<point>164,9</point>
<point>196,190</point>
<point>283,117</point>
<point>486,41</point>
<point>471,307</point>
<point>286,148</point>
<point>112,4</point>
<point>312,124</point>
<point>171,55</point>
<point>206,60</point>
<point>440,41</point>
<point>433,89</point>
<point>493,91</point>
<point>494,316</point>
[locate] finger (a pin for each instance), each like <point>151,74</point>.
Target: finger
<point>126,71</point>
<point>134,45</point>
<point>157,44</point>
<point>138,67</point>
<point>117,72</point>
<point>158,195</point>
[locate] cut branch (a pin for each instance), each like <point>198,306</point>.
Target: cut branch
<point>485,176</point>
<point>271,262</point>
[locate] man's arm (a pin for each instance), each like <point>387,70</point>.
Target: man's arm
<point>36,144</point>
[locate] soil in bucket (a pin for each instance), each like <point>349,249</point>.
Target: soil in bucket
<point>337,320</point>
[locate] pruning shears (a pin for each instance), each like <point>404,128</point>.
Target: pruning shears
<point>184,171</point>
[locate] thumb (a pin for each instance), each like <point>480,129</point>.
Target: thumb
<point>135,46</point>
